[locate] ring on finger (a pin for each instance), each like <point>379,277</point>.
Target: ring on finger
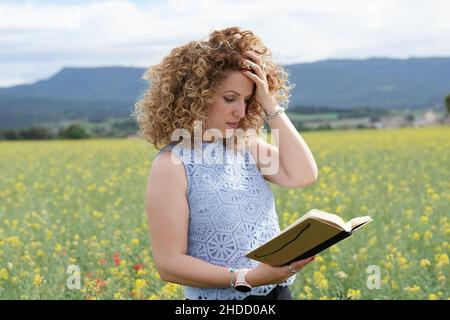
<point>292,269</point>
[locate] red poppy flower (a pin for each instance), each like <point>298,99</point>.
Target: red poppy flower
<point>138,266</point>
<point>117,258</point>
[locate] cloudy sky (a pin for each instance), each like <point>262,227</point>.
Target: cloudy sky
<point>38,38</point>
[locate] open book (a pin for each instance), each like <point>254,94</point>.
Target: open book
<point>309,235</point>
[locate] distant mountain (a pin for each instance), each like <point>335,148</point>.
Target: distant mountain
<point>100,93</point>
<point>86,84</point>
<point>377,83</point>
<point>87,94</point>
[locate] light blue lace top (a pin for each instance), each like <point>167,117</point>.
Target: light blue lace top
<point>231,211</point>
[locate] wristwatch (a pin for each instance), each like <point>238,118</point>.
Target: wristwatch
<point>241,284</point>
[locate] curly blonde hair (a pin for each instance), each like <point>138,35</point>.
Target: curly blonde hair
<point>184,84</point>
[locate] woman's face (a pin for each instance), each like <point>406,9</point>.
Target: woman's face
<point>231,101</point>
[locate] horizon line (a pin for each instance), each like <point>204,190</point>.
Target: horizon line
<point>287,64</point>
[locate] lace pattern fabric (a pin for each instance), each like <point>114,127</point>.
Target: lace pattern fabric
<point>232,211</point>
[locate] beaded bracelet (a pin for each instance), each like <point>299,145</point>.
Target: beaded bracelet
<point>269,117</point>
<point>232,277</point>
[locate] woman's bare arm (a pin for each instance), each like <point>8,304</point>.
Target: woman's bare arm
<point>168,218</point>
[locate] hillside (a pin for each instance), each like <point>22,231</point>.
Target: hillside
<point>95,94</point>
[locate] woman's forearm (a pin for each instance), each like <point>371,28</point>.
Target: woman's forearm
<point>293,151</point>
<point>190,271</point>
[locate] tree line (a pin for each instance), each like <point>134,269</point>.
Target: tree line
<point>74,131</point>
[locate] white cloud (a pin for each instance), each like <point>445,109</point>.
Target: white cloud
<point>52,36</point>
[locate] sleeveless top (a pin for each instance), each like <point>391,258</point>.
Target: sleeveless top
<point>231,212</point>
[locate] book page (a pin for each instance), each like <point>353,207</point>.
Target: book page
<point>357,222</point>
<point>320,215</point>
<point>330,218</point>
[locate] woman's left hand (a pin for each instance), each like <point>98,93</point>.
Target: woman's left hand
<point>262,95</point>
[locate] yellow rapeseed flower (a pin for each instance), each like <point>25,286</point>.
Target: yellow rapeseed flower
<point>308,292</point>
<point>58,248</point>
<point>325,169</point>
<point>4,274</point>
<point>441,260</point>
<point>318,259</point>
<point>415,236</point>
<point>13,240</point>
<point>423,219</point>
<point>339,209</point>
<point>139,283</point>
<point>40,253</point>
<point>425,263</point>
<point>413,289</point>
<point>97,214</point>
<point>38,280</point>
<point>170,290</point>
<point>403,263</point>
<point>320,281</point>
<point>390,188</point>
<point>394,285</point>
<point>141,272</point>
<point>408,213</point>
<point>353,294</point>
<point>435,197</point>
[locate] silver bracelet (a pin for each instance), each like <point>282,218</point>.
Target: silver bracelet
<point>269,117</point>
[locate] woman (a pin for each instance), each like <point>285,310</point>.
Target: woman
<point>204,216</point>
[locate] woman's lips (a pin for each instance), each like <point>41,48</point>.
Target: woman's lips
<point>232,125</point>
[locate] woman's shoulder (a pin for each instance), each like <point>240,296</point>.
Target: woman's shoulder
<point>167,165</point>
<point>167,147</point>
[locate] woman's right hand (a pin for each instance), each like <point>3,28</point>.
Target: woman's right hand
<point>263,274</point>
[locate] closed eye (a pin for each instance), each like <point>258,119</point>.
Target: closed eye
<point>231,100</point>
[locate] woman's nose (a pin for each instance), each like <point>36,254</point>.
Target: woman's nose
<point>240,110</point>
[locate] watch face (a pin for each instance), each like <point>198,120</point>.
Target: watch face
<point>242,288</point>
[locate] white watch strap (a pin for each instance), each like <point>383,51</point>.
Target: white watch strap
<point>241,276</point>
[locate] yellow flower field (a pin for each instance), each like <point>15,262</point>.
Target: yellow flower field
<point>73,222</point>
